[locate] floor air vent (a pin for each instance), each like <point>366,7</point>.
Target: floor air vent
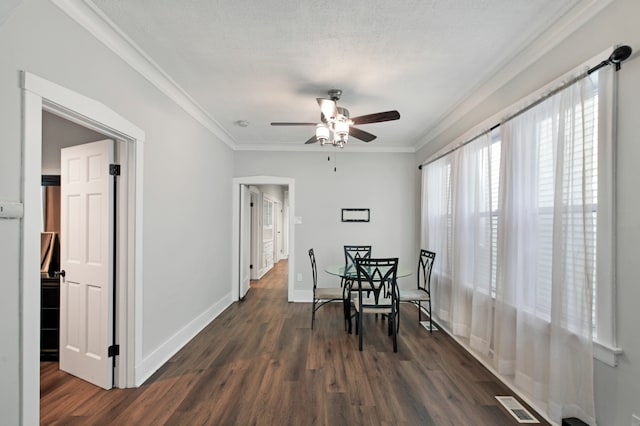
<point>516,409</point>
<point>427,326</point>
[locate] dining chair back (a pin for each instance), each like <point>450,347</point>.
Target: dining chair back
<point>321,295</point>
<point>422,293</point>
<point>377,291</point>
<point>351,253</point>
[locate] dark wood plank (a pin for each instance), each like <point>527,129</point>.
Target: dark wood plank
<point>259,363</point>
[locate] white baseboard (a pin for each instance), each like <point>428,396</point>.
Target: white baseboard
<point>156,359</point>
<point>302,296</point>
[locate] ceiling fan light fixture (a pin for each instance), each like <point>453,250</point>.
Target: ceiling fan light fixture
<point>322,133</point>
<point>341,128</point>
<point>340,132</point>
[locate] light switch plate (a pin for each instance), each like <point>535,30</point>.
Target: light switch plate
<point>11,210</point>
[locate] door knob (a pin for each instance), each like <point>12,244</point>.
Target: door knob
<point>61,273</point>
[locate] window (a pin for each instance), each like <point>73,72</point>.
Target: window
<point>267,211</point>
<point>546,166</point>
<point>267,219</point>
<point>598,206</point>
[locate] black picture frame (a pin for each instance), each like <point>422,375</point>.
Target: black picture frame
<point>356,215</point>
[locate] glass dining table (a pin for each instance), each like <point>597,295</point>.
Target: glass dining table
<point>349,275</point>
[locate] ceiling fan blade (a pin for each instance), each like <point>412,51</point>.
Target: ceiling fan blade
<point>361,134</point>
<point>293,124</point>
<point>312,139</point>
<point>328,107</point>
<point>377,117</point>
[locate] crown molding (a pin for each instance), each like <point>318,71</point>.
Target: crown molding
<point>328,149</point>
<point>92,19</point>
<point>515,64</point>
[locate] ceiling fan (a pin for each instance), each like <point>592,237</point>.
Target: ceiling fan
<point>336,125</point>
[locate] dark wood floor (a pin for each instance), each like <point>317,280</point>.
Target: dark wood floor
<point>260,363</point>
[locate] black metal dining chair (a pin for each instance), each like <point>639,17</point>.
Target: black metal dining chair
<point>422,292</point>
<point>351,253</point>
<point>321,295</point>
<point>377,293</point>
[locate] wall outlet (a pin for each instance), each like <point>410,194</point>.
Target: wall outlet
<point>635,420</point>
<point>299,278</point>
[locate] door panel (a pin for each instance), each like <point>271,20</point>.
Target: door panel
<point>71,319</point>
<point>86,251</point>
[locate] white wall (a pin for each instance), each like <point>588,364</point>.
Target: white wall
<point>382,182</point>
<point>617,389</point>
<point>187,172</point>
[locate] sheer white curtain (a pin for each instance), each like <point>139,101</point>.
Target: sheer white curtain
<point>543,317</point>
<point>471,303</point>
<point>436,220</point>
<point>458,217</point>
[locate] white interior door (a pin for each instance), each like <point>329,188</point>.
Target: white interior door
<point>277,227</point>
<point>285,226</point>
<point>86,256</point>
<point>256,236</point>
<point>245,239</point>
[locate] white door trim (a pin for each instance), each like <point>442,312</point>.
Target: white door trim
<point>235,227</point>
<point>39,94</point>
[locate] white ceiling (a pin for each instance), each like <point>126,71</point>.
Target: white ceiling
<point>264,61</point>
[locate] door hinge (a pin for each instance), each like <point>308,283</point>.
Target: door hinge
<point>114,169</point>
<point>114,350</point>
<point>251,204</point>
<point>250,266</point>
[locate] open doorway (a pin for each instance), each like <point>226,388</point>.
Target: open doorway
<point>66,280</point>
<point>268,222</point>
<point>40,96</point>
<point>242,187</point>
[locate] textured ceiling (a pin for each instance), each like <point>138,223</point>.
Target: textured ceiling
<point>264,61</point>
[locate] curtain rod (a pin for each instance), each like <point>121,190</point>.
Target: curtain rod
<point>616,58</point>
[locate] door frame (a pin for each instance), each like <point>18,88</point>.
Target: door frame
<point>39,94</point>
<point>236,246</point>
